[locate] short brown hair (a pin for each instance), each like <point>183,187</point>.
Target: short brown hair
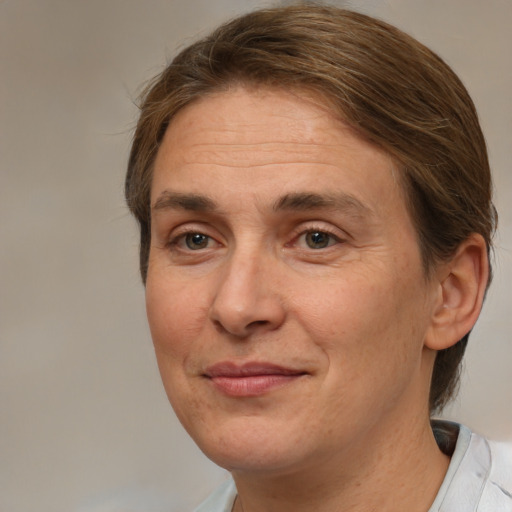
<point>391,89</point>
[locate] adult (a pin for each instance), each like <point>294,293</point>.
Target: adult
<point>314,199</point>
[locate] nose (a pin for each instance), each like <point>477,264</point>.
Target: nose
<point>247,300</point>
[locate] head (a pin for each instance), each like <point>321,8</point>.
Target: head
<point>389,89</point>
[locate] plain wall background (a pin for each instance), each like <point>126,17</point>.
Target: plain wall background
<point>85,425</point>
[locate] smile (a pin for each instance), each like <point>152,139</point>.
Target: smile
<point>250,379</point>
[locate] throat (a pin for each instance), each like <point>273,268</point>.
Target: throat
<point>405,476</point>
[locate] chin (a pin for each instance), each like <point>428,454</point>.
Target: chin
<point>250,446</point>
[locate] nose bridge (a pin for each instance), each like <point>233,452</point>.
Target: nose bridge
<point>247,298</point>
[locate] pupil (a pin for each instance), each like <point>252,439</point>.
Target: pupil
<point>197,241</point>
<point>317,239</point>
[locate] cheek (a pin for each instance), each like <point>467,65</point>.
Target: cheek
<point>363,322</point>
<point>372,346</point>
<point>175,319</point>
<point>175,316</point>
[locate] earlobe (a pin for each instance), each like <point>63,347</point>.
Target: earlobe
<point>462,284</point>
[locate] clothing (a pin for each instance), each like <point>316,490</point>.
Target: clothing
<point>479,478</point>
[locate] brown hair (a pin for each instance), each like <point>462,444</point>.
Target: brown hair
<point>391,89</point>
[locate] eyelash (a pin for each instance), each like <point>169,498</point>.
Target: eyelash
<point>334,239</point>
<point>317,229</point>
<point>174,242</point>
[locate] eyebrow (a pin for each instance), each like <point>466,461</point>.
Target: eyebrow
<point>177,201</point>
<point>299,201</point>
<point>311,201</point>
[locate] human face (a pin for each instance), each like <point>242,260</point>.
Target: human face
<point>285,291</point>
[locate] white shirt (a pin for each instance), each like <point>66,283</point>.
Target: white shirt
<point>479,479</point>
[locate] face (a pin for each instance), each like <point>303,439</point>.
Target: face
<point>285,291</point>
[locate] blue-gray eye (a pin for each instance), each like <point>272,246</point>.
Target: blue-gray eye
<point>195,241</point>
<point>318,239</point>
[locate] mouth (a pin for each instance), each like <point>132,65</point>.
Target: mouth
<point>250,379</point>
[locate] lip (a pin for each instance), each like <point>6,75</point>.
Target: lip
<point>250,379</point>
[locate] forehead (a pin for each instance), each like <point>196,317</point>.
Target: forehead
<point>250,138</point>
<point>242,117</point>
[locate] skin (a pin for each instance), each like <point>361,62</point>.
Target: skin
<point>247,264</point>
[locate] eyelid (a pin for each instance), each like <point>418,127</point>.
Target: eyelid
<point>339,235</point>
<point>179,233</point>
<point>183,241</point>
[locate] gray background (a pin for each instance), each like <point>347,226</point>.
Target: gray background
<point>85,425</point>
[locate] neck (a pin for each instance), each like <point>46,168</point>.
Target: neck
<point>402,466</point>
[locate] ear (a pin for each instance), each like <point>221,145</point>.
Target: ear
<point>461,288</point>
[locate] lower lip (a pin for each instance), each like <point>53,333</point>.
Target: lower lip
<point>254,385</point>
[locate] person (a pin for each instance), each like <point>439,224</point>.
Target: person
<point>314,200</point>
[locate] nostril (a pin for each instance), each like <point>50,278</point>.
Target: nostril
<point>245,310</point>
<point>241,331</point>
<point>258,322</point>
<point>256,325</point>
<point>218,326</point>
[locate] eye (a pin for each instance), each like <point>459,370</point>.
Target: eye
<point>317,239</point>
<point>195,241</point>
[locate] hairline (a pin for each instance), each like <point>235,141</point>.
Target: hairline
<point>322,100</point>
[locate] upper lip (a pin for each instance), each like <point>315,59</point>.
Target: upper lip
<point>250,369</point>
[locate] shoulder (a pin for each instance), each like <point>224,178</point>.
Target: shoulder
<point>221,500</point>
<point>497,493</point>
<point>479,478</point>
<point>484,475</point>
